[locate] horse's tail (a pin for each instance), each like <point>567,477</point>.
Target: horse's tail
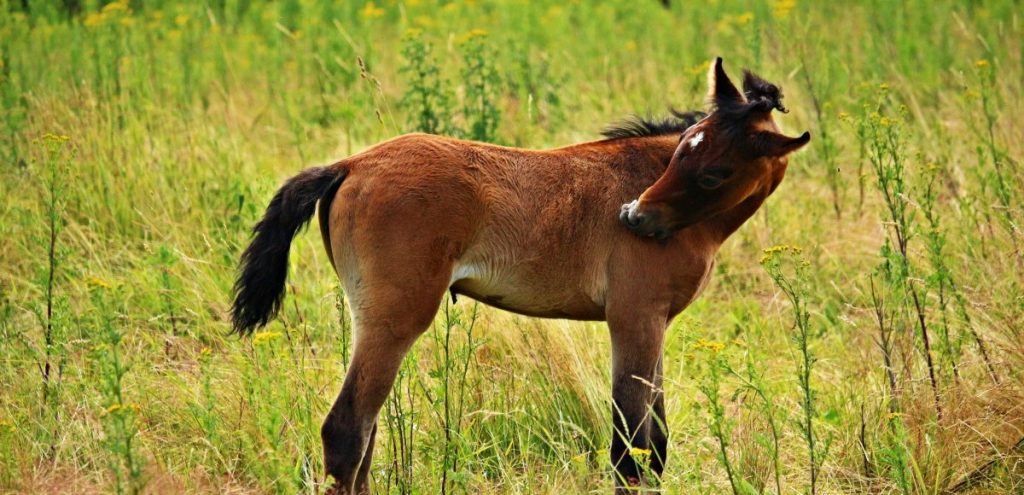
<point>259,289</point>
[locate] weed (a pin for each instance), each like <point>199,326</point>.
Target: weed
<point>789,274</point>
<point>119,414</point>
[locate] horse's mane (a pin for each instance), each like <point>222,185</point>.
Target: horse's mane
<point>637,126</point>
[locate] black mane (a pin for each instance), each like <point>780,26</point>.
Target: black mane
<point>637,126</point>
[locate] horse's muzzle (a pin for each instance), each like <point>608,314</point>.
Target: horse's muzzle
<point>643,223</point>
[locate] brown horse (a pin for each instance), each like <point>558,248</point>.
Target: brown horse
<point>541,233</point>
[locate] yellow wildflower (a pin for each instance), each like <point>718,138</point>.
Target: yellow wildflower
<point>181,20</point>
<point>709,345</point>
<point>263,337</point>
<point>769,253</point>
<point>981,63</point>
<point>371,10</point>
<point>781,8</point>
<point>115,6</point>
<point>779,248</point>
<point>893,415</point>
<point>117,408</point>
<point>6,425</point>
<point>205,351</point>
<point>883,87</point>
<point>472,34</point>
<point>99,282</point>
<point>638,452</point>
<point>93,19</point>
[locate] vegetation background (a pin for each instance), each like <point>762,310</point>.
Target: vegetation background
<point>862,334</point>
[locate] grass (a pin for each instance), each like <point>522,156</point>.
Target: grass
<point>140,143</point>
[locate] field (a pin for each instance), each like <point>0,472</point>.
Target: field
<point>863,333</point>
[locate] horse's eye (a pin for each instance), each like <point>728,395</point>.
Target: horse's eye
<point>713,178</point>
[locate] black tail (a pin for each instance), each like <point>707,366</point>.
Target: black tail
<point>259,288</point>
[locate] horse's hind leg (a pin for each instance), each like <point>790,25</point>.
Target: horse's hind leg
<point>387,322</point>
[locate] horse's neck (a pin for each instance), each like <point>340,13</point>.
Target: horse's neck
<point>723,225</point>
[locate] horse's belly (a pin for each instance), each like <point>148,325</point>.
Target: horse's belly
<point>526,293</point>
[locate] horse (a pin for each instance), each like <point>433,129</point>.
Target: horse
<point>623,230</point>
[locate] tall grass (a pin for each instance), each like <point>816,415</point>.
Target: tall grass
<point>181,118</point>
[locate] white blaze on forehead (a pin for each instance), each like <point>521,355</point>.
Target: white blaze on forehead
<point>695,140</point>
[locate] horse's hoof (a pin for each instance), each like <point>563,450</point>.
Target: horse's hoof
<point>334,489</point>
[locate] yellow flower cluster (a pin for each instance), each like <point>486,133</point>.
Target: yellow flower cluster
<point>709,345</point>
<point>119,5</point>
<point>371,10</point>
<point>109,11</point>
<point>982,63</point>
<point>770,253</point>
<point>727,21</point>
<point>264,337</point>
<point>638,452</point>
<point>99,282</point>
<point>471,35</point>
<point>882,120</point>
<point>781,8</point>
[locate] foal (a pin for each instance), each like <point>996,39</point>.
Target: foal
<point>540,233</point>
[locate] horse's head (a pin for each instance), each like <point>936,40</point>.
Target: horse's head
<point>735,153</point>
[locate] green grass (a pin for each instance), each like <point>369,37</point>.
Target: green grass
<point>139,145</point>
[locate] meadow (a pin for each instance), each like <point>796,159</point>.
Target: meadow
<point>863,333</point>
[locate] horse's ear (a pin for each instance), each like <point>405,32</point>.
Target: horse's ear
<point>721,91</point>
<point>763,94</point>
<point>773,144</point>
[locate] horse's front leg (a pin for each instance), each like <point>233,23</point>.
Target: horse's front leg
<point>636,351</point>
<point>659,424</point>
